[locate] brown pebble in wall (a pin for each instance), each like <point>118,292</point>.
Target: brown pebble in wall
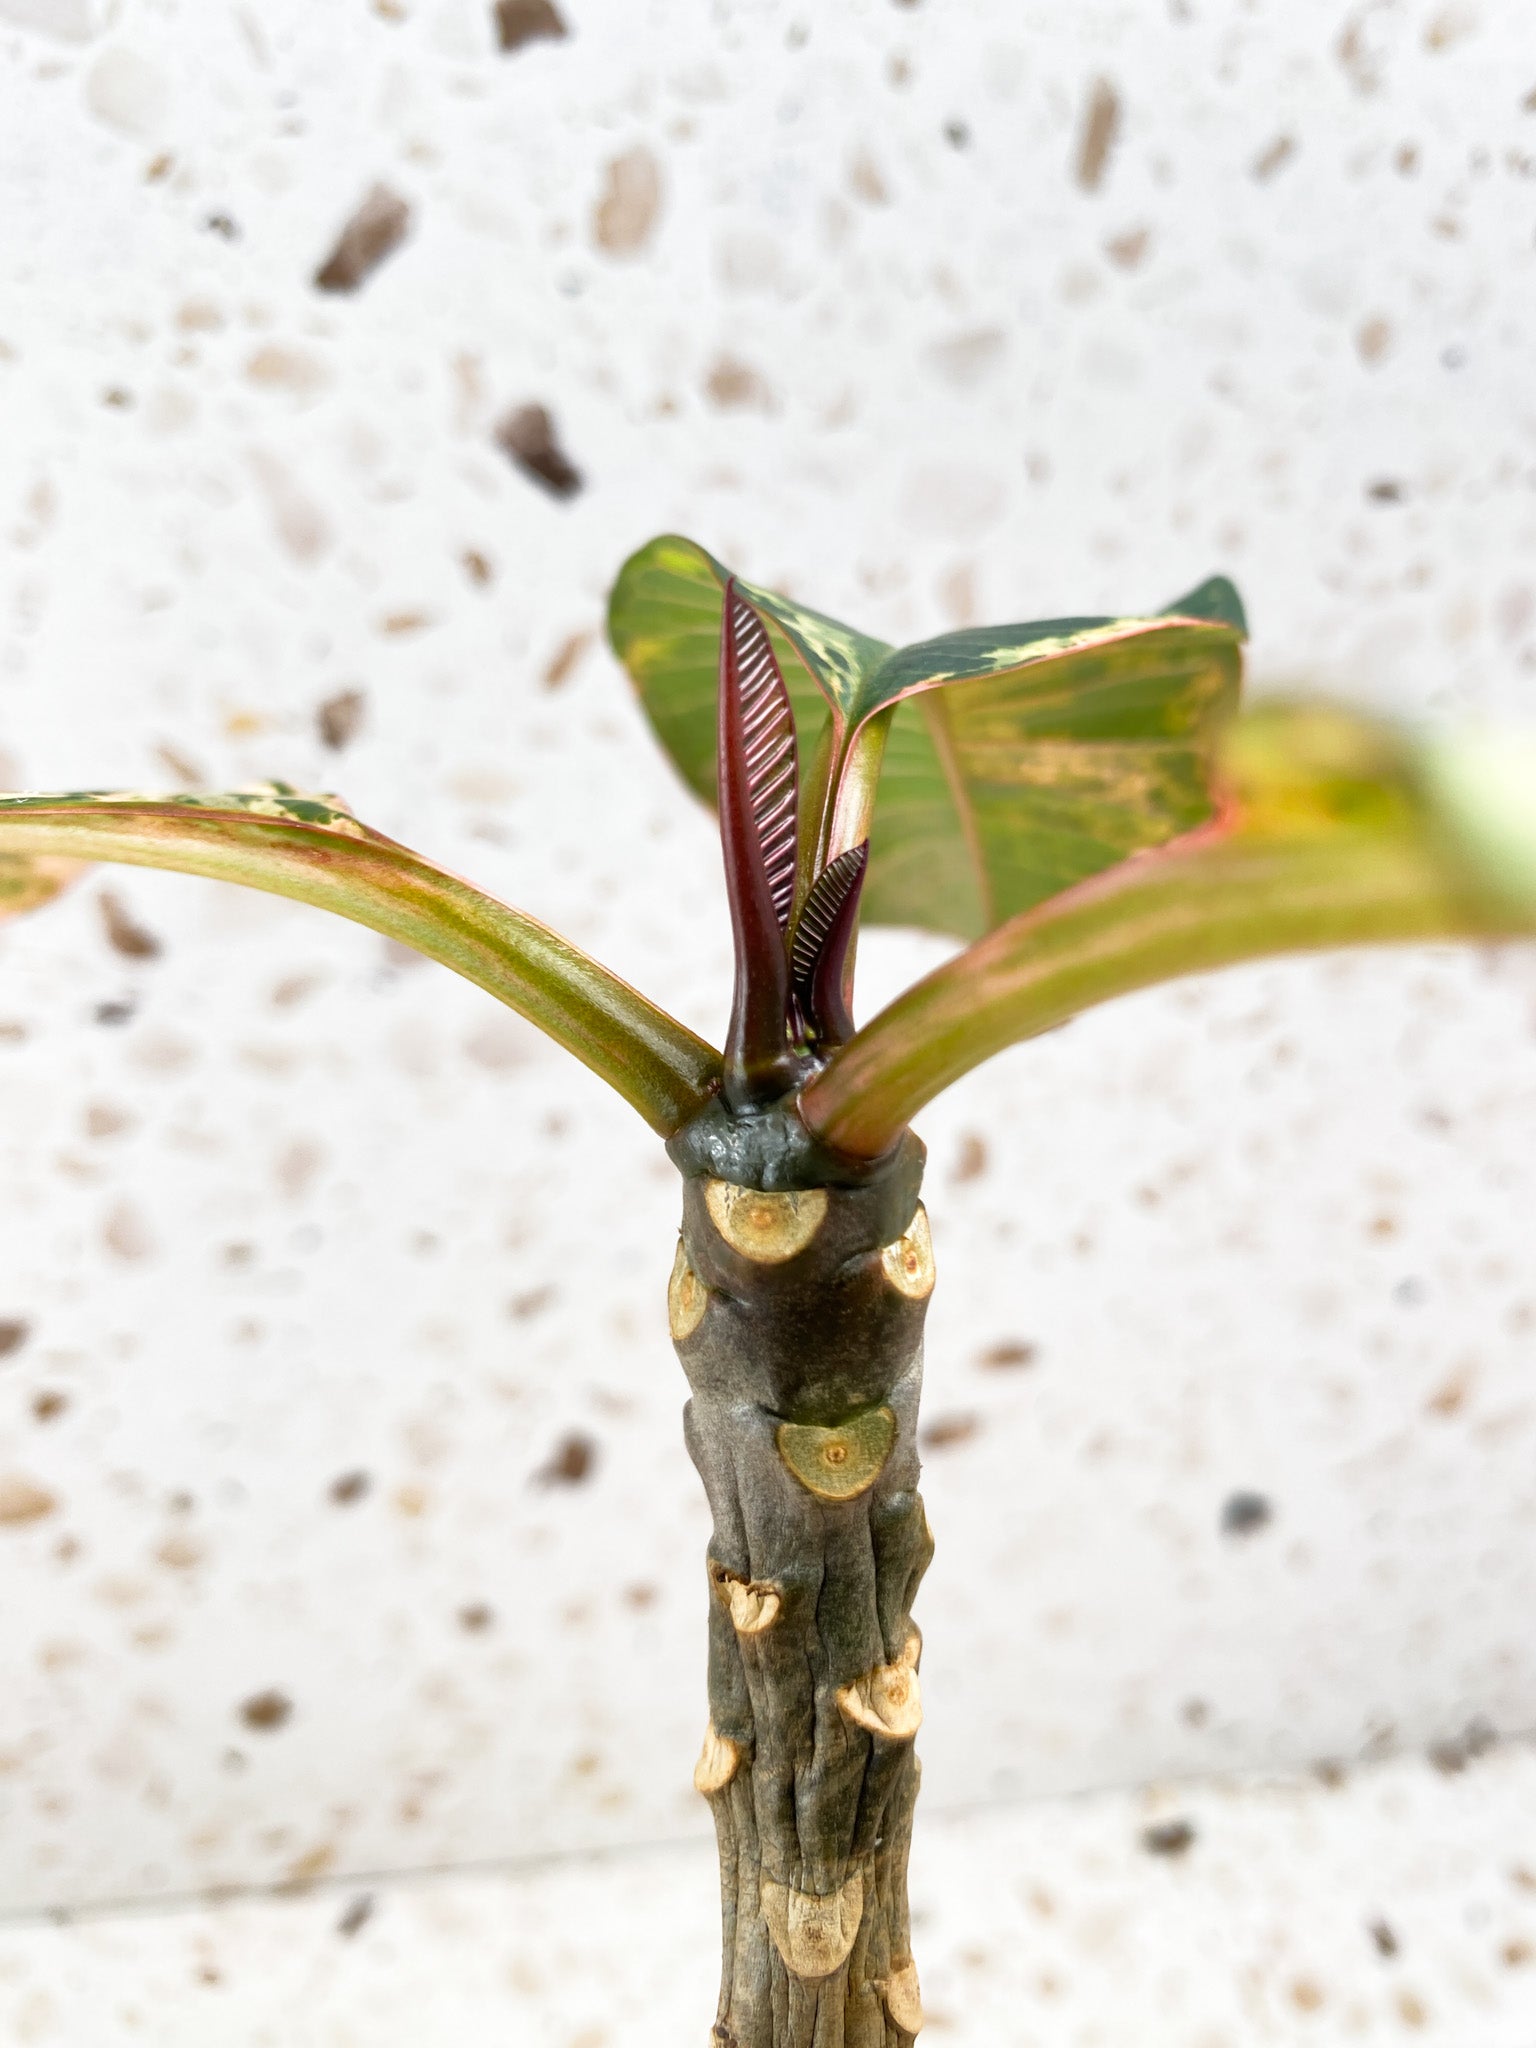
<point>22,1500</point>
<point>1098,135</point>
<point>357,1915</point>
<point>946,1430</point>
<point>1126,251</point>
<point>628,204</point>
<point>1273,156</point>
<point>526,21</point>
<point>1009,1355</point>
<point>340,718</point>
<point>734,386</point>
<point>528,436</point>
<point>374,232</point>
<point>1383,1937</point>
<point>971,1160</point>
<point>125,934</point>
<point>1168,1838</point>
<point>125,1232</point>
<point>1244,1514</point>
<point>565,658</point>
<point>570,1462</point>
<point>266,1711</point>
<point>1373,338</point>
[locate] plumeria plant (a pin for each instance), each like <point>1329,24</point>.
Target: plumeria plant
<point>1082,802</point>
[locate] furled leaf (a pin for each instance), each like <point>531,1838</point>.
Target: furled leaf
<point>763,732</point>
<point>312,849</point>
<point>664,622</point>
<point>759,785</point>
<point>1333,830</point>
<point>822,945</point>
<point>1017,760</point>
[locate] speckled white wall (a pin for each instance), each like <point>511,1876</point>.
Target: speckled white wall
<point>344,1521</point>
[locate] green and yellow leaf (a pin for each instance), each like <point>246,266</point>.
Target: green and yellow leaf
<point>1017,760</point>
<point>313,850</point>
<point>1334,830</point>
<point>1024,759</point>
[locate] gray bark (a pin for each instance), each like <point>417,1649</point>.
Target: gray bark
<point>797,1313</point>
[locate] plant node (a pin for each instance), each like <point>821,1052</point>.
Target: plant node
<point>812,1933</point>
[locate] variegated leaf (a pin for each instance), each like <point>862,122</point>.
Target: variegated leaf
<point>1017,760</point>
<point>314,850</point>
<point>1334,830</point>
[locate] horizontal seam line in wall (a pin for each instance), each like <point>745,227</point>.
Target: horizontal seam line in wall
<point>213,1897</point>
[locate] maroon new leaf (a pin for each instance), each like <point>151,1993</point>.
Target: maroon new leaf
<point>768,748</point>
<point>818,957</point>
<point>759,817</point>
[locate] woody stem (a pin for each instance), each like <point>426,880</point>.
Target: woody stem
<point>797,1315</point>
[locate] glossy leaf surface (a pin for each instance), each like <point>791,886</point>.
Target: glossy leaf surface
<point>1016,760</point>
<point>1019,765</point>
<point>311,849</point>
<point>1335,830</point>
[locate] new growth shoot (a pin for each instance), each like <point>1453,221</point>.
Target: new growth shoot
<point>793,962</point>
